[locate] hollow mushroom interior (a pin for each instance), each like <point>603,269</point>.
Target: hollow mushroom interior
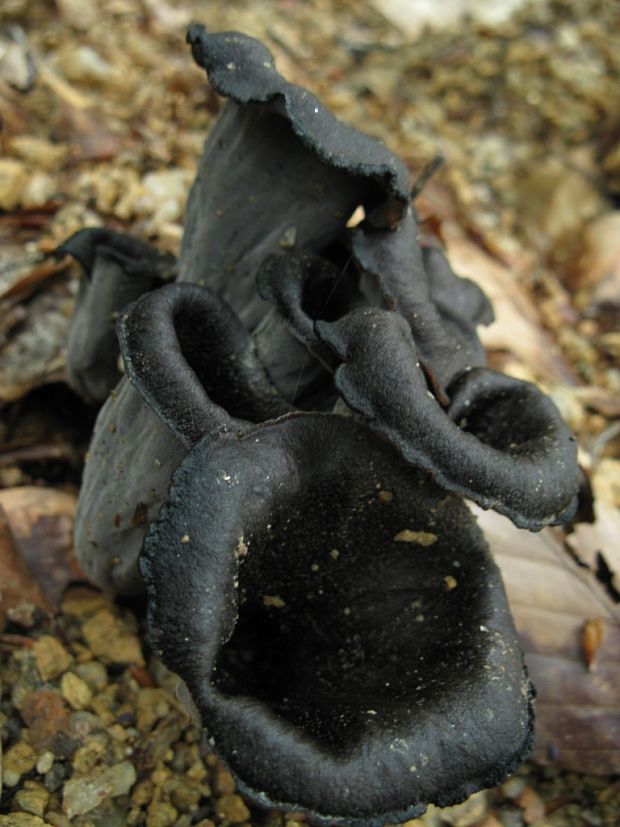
<point>358,604</point>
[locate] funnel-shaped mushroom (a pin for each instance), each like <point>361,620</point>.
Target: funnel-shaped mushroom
<point>192,370</point>
<point>501,441</point>
<point>391,271</point>
<point>278,171</point>
<point>315,579</point>
<point>339,623</point>
<point>117,270</point>
<point>441,309</point>
<point>303,288</point>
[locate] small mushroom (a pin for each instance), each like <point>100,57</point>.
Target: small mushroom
<point>368,688</point>
<point>441,309</point>
<point>117,269</point>
<point>501,442</point>
<point>278,171</point>
<point>182,348</point>
<point>303,287</point>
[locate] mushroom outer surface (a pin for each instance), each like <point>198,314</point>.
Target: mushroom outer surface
<point>339,623</point>
<point>126,477</point>
<point>117,270</point>
<point>501,442</point>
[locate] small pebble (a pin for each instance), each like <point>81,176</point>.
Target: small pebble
<point>232,808</point>
<point>512,817</point>
<point>10,778</point>
<point>223,782</point>
<point>513,787</point>
<point>75,691</point>
<point>152,705</point>
<point>81,795</point>
<point>45,762</point>
<point>93,673</point>
<point>142,793</point>
<point>57,819</point>
<point>53,778</point>
<point>468,813</point>
<point>51,657</point>
<point>161,814</point>
<point>110,640</point>
<point>32,798</point>
<point>13,178</point>
<point>18,760</point>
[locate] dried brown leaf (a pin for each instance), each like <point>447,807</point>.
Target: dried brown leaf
<point>23,275</point>
<point>20,594</point>
<point>41,521</point>
<point>599,261</point>
<point>518,327</point>
<point>552,598</point>
<point>35,354</point>
<point>590,541</point>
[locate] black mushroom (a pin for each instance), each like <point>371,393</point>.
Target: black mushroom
<point>279,171</point>
<point>117,269</point>
<point>500,442</point>
<point>344,631</point>
<point>285,463</point>
<point>179,344</point>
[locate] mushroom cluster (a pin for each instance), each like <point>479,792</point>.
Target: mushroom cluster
<point>283,465</point>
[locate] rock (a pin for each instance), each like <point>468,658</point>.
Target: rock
<point>38,152</point>
<point>142,793</point>
<point>93,673</point>
<point>53,778</point>
<point>152,705</point>
<point>110,640</point>
<point>57,820</point>
<point>513,786</point>
<point>13,177</point>
<point>81,14</point>
<point>51,657</point>
<point>232,808</point>
<point>39,189</point>
<point>84,64</point>
<point>75,691</point>
<point>81,795</point>
<point>185,794</point>
<point>160,814</point>
<point>32,798</point>
<point>468,813</point>
<point>89,755</point>
<point>21,820</point>
<point>45,762</point>
<point>223,782</point>
<point>83,602</point>
<point>47,717</point>
<point>18,760</point>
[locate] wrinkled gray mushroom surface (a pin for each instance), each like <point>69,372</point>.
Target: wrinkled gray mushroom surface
<point>117,270</point>
<point>283,466</point>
